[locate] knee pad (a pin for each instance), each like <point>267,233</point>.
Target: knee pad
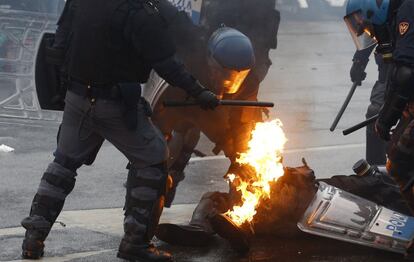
<point>153,177</point>
<point>146,189</point>
<point>145,185</point>
<point>57,182</point>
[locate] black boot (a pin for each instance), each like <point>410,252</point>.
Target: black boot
<point>37,229</point>
<point>199,231</point>
<point>144,203</point>
<point>57,182</point>
<point>128,251</point>
<point>43,214</point>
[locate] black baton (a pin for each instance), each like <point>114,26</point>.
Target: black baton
<point>360,125</point>
<point>344,106</point>
<point>241,103</point>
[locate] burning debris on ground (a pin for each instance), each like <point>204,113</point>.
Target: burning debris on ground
<point>289,197</point>
<point>274,200</point>
<point>264,155</point>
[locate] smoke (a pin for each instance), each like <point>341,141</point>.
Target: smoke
<point>290,196</point>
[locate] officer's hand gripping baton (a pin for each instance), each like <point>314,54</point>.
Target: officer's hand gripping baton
<point>344,106</point>
<point>360,125</point>
<point>241,103</point>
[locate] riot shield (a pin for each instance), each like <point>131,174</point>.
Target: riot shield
<point>49,87</point>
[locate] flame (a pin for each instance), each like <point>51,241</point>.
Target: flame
<point>231,178</point>
<point>264,154</point>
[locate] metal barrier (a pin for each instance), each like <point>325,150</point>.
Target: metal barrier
<point>20,35</point>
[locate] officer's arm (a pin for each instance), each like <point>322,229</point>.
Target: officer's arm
<point>64,25</point>
<point>56,54</point>
<point>360,61</point>
<point>363,55</point>
<point>155,45</point>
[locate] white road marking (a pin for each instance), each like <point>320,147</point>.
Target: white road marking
<point>69,256</point>
<point>20,124</point>
<point>289,151</point>
<point>107,221</point>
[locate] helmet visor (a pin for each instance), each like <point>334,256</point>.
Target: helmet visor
<point>361,30</point>
<point>232,80</point>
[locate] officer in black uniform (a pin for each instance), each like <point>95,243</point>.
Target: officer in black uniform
<point>106,48</point>
<point>391,22</point>
<point>399,103</point>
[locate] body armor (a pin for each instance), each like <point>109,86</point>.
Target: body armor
<point>115,62</point>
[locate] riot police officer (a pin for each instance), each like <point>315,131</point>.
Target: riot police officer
<point>391,24</point>
<point>258,20</point>
<point>106,48</point>
<point>228,128</point>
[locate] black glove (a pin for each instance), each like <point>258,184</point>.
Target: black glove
<point>383,130</point>
<point>358,71</point>
<point>207,100</point>
<point>389,115</point>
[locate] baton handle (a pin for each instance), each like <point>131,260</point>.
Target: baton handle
<point>360,125</point>
<point>241,103</point>
<point>344,106</point>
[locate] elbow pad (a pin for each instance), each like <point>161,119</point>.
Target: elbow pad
<point>403,81</point>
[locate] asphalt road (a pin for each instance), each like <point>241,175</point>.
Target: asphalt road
<point>308,82</point>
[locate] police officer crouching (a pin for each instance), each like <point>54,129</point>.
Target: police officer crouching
<point>107,48</point>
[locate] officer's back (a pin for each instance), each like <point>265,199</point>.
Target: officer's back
<point>104,43</point>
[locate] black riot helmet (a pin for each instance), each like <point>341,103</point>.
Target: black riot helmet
<point>230,59</point>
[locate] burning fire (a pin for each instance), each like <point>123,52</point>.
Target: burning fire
<point>264,154</point>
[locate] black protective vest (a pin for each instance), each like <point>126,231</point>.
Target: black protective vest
<point>100,51</point>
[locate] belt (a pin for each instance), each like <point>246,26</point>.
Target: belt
<point>109,92</point>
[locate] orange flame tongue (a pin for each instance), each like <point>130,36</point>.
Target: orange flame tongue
<point>265,156</point>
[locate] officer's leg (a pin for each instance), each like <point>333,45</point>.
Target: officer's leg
<point>146,150</point>
<point>58,180</point>
<point>181,145</point>
<point>375,146</point>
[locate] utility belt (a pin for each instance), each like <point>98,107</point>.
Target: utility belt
<point>128,94</point>
<point>93,92</point>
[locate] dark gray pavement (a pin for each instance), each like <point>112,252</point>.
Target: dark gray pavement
<point>308,82</point>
